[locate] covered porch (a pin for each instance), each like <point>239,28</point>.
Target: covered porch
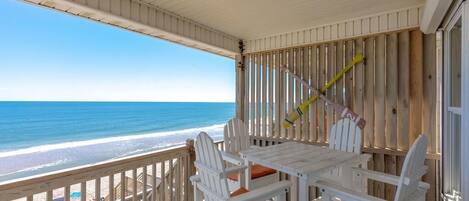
<point>398,89</point>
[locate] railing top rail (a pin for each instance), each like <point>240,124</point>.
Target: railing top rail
<point>97,169</point>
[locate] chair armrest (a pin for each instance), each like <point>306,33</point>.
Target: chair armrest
<point>365,157</point>
<point>195,179</point>
<point>219,173</point>
<point>377,176</point>
<point>264,193</point>
<point>387,178</point>
<point>342,193</point>
<point>235,169</point>
<point>231,158</point>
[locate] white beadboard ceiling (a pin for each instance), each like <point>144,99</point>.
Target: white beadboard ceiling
<point>250,19</point>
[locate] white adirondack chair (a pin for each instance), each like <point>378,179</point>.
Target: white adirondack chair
<point>409,186</point>
<point>236,139</point>
<point>345,135</point>
<point>211,179</point>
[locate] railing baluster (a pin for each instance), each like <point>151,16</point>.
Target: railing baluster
<point>134,185</point>
<point>153,182</point>
<point>123,186</point>
<point>67,193</point>
<point>49,195</point>
<point>163,181</point>
<point>83,191</point>
<point>170,179</point>
<point>144,174</point>
<point>178,179</point>
<point>97,189</point>
<point>173,185</point>
<point>186,178</point>
<point>111,187</point>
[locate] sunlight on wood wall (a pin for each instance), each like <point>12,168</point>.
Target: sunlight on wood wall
<point>394,90</point>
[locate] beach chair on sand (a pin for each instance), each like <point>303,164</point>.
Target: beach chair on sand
<point>409,186</point>
<point>211,178</point>
<point>236,139</point>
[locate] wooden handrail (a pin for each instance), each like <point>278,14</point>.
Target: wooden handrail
<point>28,186</point>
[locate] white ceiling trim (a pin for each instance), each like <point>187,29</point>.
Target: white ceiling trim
<point>367,25</point>
<point>433,14</point>
<point>143,18</point>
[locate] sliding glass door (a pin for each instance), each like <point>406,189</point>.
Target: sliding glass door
<point>454,103</point>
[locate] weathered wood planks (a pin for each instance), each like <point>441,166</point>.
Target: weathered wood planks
<point>394,90</point>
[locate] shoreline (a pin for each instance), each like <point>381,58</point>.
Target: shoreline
<point>47,158</point>
<point>80,143</point>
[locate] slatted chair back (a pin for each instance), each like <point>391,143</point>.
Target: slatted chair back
<point>236,136</point>
<point>412,170</point>
<point>210,168</point>
<point>345,135</point>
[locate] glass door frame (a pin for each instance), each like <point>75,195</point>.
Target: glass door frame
<point>461,12</point>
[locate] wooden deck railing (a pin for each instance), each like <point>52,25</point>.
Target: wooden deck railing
<point>161,175</point>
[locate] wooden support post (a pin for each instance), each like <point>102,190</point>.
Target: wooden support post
<point>359,93</point>
<point>391,90</point>
<point>380,88</point>
<point>369,92</point>
<point>306,93</point>
<point>403,92</point>
<point>321,106</point>
<point>240,83</point>
<point>416,85</point>
<point>313,109</point>
<point>429,109</point>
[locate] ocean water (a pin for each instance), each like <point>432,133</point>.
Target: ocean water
<point>38,137</point>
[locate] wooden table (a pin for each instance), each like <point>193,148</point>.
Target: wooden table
<point>306,162</point>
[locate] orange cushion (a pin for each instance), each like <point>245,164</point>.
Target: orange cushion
<point>240,191</point>
<point>257,171</point>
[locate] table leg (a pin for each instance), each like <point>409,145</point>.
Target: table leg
<point>294,188</point>
<point>247,175</point>
<point>303,189</point>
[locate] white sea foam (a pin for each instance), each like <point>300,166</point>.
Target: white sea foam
<point>37,167</point>
<point>75,144</point>
<point>46,158</point>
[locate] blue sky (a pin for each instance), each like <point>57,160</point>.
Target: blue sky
<point>50,56</point>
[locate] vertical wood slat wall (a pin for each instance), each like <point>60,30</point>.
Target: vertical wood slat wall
<point>394,90</point>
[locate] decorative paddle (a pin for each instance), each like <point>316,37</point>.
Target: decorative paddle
<point>344,111</point>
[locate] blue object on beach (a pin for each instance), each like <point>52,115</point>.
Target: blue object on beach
<point>75,195</point>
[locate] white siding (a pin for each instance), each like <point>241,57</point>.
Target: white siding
<point>374,24</point>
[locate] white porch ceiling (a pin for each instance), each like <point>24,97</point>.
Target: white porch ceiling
<point>218,25</point>
<point>250,19</point>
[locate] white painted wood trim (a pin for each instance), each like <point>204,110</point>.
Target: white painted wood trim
<point>465,101</point>
<point>433,13</point>
<point>147,19</point>
<point>405,18</point>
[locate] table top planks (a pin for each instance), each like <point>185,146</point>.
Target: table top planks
<point>298,159</point>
